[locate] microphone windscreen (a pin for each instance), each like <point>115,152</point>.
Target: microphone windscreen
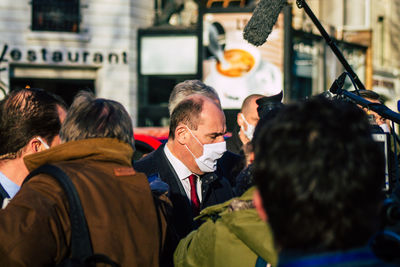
<point>263,20</point>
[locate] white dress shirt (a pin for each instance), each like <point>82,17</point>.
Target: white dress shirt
<point>183,173</point>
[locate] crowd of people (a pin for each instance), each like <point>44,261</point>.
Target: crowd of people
<point>297,184</point>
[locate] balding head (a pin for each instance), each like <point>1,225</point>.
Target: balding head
<point>249,102</point>
<point>248,117</point>
<point>190,87</point>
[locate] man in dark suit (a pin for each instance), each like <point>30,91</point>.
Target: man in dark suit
<point>188,161</point>
<point>230,164</point>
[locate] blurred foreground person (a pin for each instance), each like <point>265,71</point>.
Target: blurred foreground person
<point>320,175</point>
<point>29,123</point>
<point>97,149</point>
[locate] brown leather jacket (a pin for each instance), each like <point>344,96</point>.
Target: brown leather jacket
<point>117,201</point>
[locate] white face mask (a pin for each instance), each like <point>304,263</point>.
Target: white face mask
<point>207,162</point>
<point>250,128</point>
<point>43,142</point>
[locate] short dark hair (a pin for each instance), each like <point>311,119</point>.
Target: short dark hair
<point>26,113</point>
<point>186,112</point>
<point>320,175</point>
<point>370,94</point>
<point>90,117</point>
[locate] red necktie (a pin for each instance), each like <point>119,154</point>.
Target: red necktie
<point>193,195</point>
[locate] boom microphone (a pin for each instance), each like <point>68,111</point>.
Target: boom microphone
<point>264,18</point>
<point>381,109</point>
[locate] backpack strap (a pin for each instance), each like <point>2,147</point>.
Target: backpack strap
<point>3,194</point>
<point>81,245</point>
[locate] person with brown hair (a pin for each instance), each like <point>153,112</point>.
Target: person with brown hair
<point>29,123</point>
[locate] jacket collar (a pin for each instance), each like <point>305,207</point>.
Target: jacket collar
<point>107,149</point>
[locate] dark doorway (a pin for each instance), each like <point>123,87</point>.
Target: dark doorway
<point>66,88</point>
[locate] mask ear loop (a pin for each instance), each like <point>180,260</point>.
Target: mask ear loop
<point>43,142</point>
<point>190,151</point>
<point>196,140</point>
<point>194,135</point>
<point>247,124</point>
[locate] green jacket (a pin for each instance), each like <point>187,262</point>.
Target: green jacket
<point>232,235</point>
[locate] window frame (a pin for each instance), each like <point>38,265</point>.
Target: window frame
<point>68,16</point>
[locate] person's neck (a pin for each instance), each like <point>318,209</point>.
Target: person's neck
<point>15,170</point>
<point>175,150</point>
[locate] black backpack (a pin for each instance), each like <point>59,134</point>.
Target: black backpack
<point>81,245</point>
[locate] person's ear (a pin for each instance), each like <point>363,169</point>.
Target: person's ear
<point>258,204</point>
<point>33,146</point>
<point>182,134</point>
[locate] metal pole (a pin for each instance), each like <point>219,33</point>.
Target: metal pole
<point>330,42</point>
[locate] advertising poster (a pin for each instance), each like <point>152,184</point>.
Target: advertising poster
<point>244,69</point>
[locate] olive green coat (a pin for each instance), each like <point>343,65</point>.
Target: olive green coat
<point>232,235</point>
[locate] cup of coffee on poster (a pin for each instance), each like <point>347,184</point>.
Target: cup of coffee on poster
<point>242,61</point>
<point>232,78</point>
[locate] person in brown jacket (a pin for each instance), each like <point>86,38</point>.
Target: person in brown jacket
<point>96,153</point>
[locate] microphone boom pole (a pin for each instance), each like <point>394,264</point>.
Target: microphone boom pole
<point>302,4</point>
<point>381,109</point>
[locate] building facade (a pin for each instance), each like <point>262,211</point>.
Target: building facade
<point>373,24</point>
<point>108,47</point>
<point>70,45</point>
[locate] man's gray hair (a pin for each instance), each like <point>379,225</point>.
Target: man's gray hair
<point>90,117</point>
<point>190,87</point>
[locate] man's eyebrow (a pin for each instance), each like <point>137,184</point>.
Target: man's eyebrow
<point>216,134</point>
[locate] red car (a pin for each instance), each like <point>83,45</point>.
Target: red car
<point>148,139</point>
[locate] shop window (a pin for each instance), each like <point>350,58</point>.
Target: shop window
<point>59,15</point>
<point>357,20</point>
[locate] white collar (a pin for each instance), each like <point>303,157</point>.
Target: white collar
<point>181,170</point>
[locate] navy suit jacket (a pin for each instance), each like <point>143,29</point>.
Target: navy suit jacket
<point>215,189</point>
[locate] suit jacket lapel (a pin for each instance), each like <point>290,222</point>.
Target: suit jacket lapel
<point>168,174</point>
<point>182,209</point>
